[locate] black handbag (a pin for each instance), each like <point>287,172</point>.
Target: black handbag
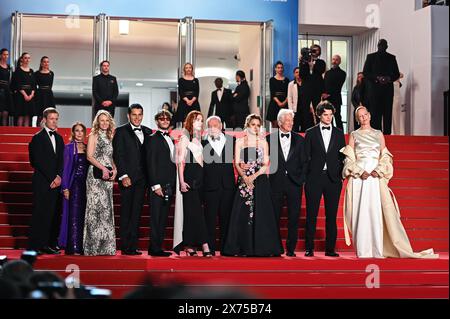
<point>98,173</point>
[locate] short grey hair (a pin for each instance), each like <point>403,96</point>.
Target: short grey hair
<point>214,117</point>
<point>282,113</point>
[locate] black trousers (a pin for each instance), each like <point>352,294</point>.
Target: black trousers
<point>132,199</point>
<point>315,187</point>
<point>297,122</point>
<point>44,220</point>
<point>306,117</point>
<point>338,116</point>
<point>381,105</point>
<point>159,210</point>
<point>293,194</point>
<point>218,203</point>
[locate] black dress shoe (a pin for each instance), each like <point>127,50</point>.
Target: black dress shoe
<point>49,251</point>
<point>309,253</point>
<point>55,248</point>
<point>331,254</point>
<point>160,253</point>
<point>291,254</point>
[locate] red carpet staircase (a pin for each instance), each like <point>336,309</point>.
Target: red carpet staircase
<point>421,185</point>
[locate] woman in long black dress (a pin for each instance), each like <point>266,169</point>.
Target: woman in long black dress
<point>5,92</point>
<point>278,94</point>
<point>253,228</point>
<point>44,82</point>
<point>190,229</point>
<point>23,84</point>
<point>189,90</point>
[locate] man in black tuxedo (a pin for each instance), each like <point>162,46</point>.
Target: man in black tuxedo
<point>221,102</point>
<point>240,101</point>
<point>46,151</point>
<point>162,176</point>
<point>325,162</point>
<point>105,90</point>
<point>312,69</point>
<point>380,73</point>
<point>287,158</point>
<point>219,184</point>
<point>334,81</point>
<point>129,156</point>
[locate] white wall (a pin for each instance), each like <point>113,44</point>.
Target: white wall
<point>336,13</point>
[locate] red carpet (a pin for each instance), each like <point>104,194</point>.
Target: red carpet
<point>421,185</point>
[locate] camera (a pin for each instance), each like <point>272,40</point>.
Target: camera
<point>167,191</point>
<point>305,55</point>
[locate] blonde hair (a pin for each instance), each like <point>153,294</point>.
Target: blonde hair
<point>184,68</point>
<point>96,124</point>
<point>361,107</point>
<point>252,117</point>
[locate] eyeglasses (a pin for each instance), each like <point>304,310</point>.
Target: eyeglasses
<point>164,119</point>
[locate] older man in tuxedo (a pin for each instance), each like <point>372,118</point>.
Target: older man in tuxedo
<point>219,184</point>
<point>287,158</point>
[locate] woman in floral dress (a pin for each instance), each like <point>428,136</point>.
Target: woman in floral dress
<point>253,229</point>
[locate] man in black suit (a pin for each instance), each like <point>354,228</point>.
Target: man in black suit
<point>221,102</point>
<point>312,69</point>
<point>287,158</point>
<point>334,81</point>
<point>162,180</point>
<point>325,162</point>
<point>380,73</point>
<point>129,156</point>
<point>219,184</point>
<point>46,151</point>
<point>240,101</point>
<point>105,90</point>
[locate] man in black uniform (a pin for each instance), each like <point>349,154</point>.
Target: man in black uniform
<point>104,90</point>
<point>380,73</point>
<point>334,80</point>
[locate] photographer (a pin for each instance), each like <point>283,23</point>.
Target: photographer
<point>162,180</point>
<point>312,70</point>
<point>380,73</point>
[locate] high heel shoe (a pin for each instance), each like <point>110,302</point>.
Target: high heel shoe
<point>207,254</point>
<point>190,252</point>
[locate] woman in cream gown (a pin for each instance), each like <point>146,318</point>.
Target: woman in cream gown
<point>371,213</point>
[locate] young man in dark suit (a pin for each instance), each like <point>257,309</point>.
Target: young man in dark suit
<point>287,158</point>
<point>46,151</point>
<point>334,81</point>
<point>105,90</point>
<point>219,184</point>
<point>380,73</point>
<point>325,162</point>
<point>162,178</point>
<point>129,156</point>
<point>241,95</point>
<point>221,103</point>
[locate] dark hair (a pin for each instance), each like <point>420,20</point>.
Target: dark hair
<point>3,50</point>
<point>162,113</point>
<point>135,106</point>
<point>40,64</point>
<point>278,63</point>
<point>19,61</point>
<point>324,105</point>
<point>49,110</point>
<point>218,82</point>
<point>240,74</point>
<point>167,104</point>
<point>74,126</point>
<point>316,46</point>
<point>104,61</point>
<point>295,69</point>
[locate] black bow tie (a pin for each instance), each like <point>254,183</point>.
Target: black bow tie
<point>137,129</point>
<point>51,133</point>
<point>214,139</point>
<point>164,133</point>
<point>285,135</point>
<point>326,128</point>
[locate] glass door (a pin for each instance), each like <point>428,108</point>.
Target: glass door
<point>267,31</point>
<point>332,45</point>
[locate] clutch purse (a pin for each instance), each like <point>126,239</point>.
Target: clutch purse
<point>98,173</point>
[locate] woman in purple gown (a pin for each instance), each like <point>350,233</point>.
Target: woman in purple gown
<point>73,186</point>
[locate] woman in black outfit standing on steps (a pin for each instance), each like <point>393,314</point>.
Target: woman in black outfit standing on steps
<point>189,90</point>
<point>44,81</point>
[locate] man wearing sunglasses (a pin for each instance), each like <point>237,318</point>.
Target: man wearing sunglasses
<point>160,157</point>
